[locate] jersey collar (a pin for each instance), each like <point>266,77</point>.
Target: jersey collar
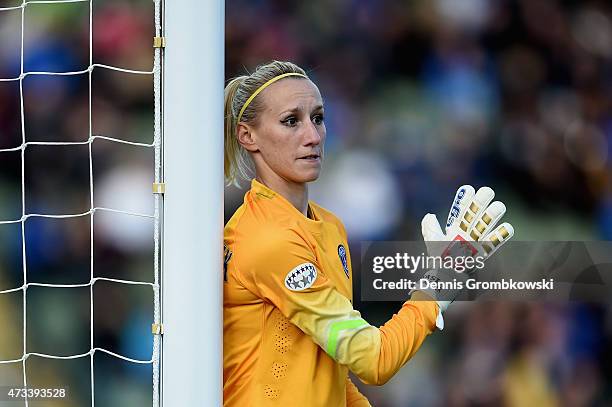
<point>260,189</point>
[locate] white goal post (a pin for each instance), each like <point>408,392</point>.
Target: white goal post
<point>193,82</point>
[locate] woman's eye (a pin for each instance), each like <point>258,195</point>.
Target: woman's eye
<point>318,119</point>
<point>290,121</point>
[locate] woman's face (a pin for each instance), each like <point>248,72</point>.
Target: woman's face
<point>289,133</point>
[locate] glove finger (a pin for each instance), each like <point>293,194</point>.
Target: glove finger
<point>474,210</point>
<point>496,239</point>
<point>432,234</point>
<point>430,227</point>
<point>463,197</point>
<point>487,220</point>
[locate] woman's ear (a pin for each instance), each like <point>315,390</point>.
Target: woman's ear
<point>246,137</point>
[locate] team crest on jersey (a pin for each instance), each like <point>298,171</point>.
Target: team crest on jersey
<point>342,255</point>
<point>301,277</point>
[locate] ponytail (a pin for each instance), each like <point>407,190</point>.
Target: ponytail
<point>235,160</point>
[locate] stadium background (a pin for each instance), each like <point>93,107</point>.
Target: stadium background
<point>420,96</point>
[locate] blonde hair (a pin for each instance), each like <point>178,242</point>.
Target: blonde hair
<point>238,90</point>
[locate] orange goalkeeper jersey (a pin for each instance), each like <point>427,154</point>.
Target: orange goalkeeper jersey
<point>290,331</point>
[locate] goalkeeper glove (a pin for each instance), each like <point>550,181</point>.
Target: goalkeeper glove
<point>470,231</point>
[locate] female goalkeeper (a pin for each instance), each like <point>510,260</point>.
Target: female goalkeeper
<point>290,331</point>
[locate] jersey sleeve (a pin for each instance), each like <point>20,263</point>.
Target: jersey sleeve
<point>279,266</point>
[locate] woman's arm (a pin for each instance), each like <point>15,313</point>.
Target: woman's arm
<point>320,311</point>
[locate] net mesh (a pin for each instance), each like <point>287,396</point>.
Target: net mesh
<point>155,144</point>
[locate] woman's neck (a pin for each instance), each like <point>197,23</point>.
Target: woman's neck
<point>295,193</point>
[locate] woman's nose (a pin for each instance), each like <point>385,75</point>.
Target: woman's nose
<point>312,135</point>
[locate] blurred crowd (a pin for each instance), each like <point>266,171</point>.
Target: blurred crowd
<point>424,96</point>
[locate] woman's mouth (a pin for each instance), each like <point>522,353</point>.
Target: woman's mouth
<point>311,157</point>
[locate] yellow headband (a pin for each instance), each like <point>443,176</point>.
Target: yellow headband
<point>262,87</point>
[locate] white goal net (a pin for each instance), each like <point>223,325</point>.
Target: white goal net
<point>39,148</point>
